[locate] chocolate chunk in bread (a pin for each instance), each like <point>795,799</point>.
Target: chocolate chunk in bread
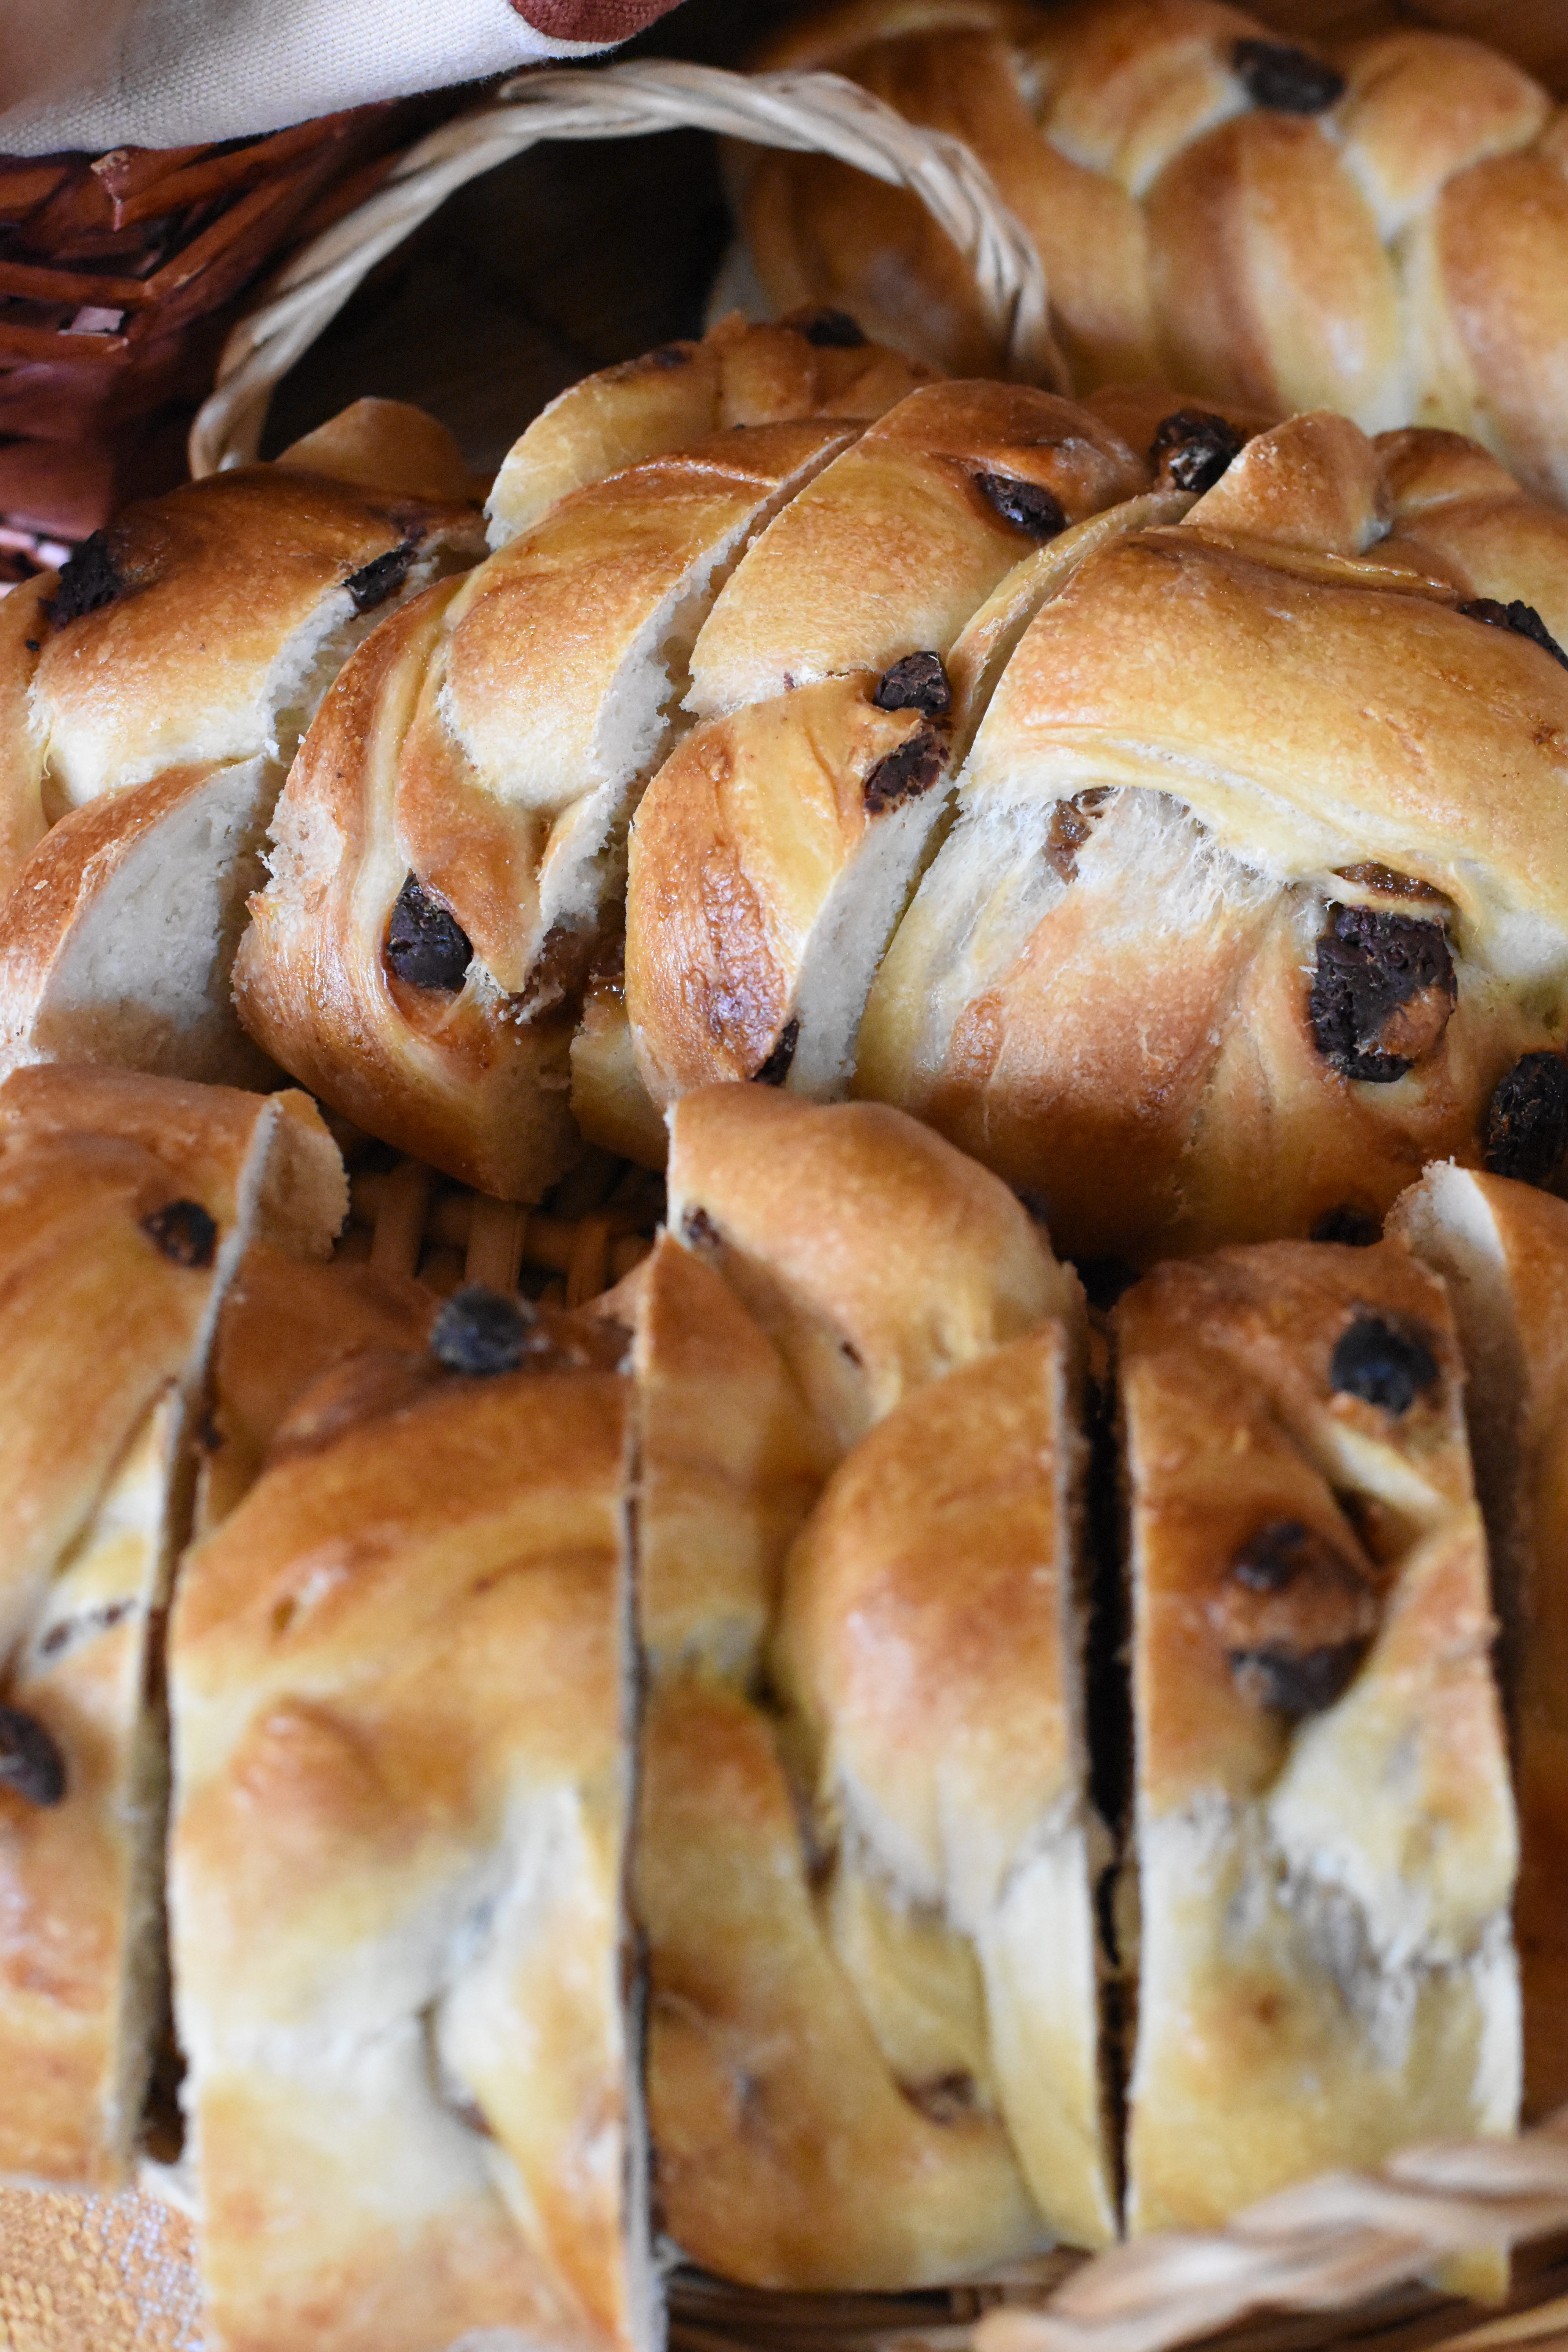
<point>1521,618</point>
<point>1024,505</point>
<point>1351,1227</point>
<point>184,1232</point>
<point>907,773</point>
<point>1383,1364</point>
<point>830,330</point>
<point>88,580</point>
<point>1296,1617</point>
<point>775,1069</point>
<point>1072,822</point>
<point>1192,449</point>
<point>1285,80</point>
<point>919,682</point>
<point>479,1332</point>
<point>426,944</point>
<point>1527,1120</point>
<point>31,1765</point>
<point>376,582</point>
<point>1382,993</point>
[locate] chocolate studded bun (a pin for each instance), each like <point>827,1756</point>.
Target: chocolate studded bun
<point>1210,202</point>
<point>1310,1683</point>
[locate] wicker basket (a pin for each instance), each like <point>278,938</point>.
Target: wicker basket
<point>1339,2260</point>
<point>120,277</point>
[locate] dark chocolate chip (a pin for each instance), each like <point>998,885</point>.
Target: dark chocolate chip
<point>481,1332</point>
<point>88,580</point>
<point>1296,1617</point>
<point>382,577</point>
<point>1387,884</point>
<point>1521,618</point>
<point>698,1229</point>
<point>31,1766</point>
<point>1071,824</point>
<point>832,330</point>
<point>1380,1364</point>
<point>1104,1279</point>
<point>1192,448</point>
<point>34,644</point>
<point>1382,993</point>
<point>1295,1682</point>
<point>907,773</point>
<point>426,944</point>
<point>1527,1120</point>
<point>775,1069</point>
<point>1351,1228</point>
<point>919,682</point>
<point>1287,80</point>
<point>1024,505</point>
<point>184,1232</point>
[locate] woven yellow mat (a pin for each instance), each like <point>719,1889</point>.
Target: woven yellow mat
<point>95,2275</point>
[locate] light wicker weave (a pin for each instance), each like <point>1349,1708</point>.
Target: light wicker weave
<point>1344,2261</point>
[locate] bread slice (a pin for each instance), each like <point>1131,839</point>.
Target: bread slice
<point>815,364</point>
<point>451,844</point>
<point>890,550</point>
<point>125,1203</point>
<point>1501,1248</point>
<point>873,1255</point>
<point>1323,1832</point>
<point>770,860</point>
<point>118,941</point>
<point>152,705</point>
<point>401,1687</point>
<point>931,1642</point>
<point>1209,952</point>
<point>773,2082</point>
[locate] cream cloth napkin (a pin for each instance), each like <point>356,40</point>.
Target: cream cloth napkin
<point>97,74</point>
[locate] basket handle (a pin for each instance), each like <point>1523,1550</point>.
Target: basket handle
<point>810,112</point>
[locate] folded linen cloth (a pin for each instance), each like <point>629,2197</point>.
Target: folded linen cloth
<point>97,74</point>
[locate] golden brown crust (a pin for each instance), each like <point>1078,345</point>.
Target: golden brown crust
<point>445,1075</point>
<point>488,745</point>
<point>217,585</point>
<point>930,1639</point>
<point>890,550</point>
<point>739,375</point>
<point>1501,1248</point>
<point>767,2092</point>
<point>1325,1836</point>
<point>124,1202</point>
<point>1117,981</point>
<point>875,1255</point>
<point>396,1878</point>
<point>1390,241</point>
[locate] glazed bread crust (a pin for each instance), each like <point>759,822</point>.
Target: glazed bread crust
<point>124,1206</point>
<point>929,1640</point>
<point>875,1256</point>
<point>1381,228</point>
<point>1220,750</point>
<point>476,768</point>
<point>151,701</point>
<point>1501,1249</point>
<point>400,1697</point>
<point>1324,1832</point>
<point>779,2068</point>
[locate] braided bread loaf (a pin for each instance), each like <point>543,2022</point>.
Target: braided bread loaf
<point>1255,898</point>
<point>451,845</point>
<point>1381,229</point>
<point>154,697</point>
